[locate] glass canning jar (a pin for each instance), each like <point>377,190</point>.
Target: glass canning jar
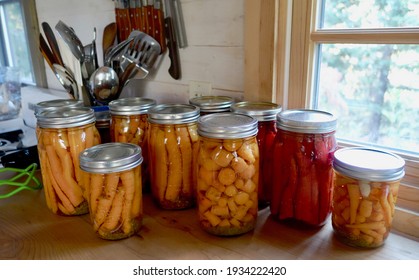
<point>113,173</point>
<point>365,194</point>
<point>228,171</point>
<point>303,151</point>
<point>129,125</point>
<point>55,104</point>
<point>212,104</point>
<point>173,146</point>
<point>265,113</point>
<point>62,135</point>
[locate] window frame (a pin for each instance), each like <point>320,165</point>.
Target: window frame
<point>30,18</point>
<point>283,72</point>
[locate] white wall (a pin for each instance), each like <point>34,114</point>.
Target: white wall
<point>215,54</point>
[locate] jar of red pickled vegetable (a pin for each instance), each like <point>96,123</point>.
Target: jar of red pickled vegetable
<point>113,173</point>
<point>303,151</point>
<point>265,113</point>
<point>212,104</point>
<point>228,172</point>
<point>173,147</point>
<point>365,194</point>
<point>129,125</point>
<point>62,135</point>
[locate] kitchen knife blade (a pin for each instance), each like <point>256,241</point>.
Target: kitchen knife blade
<point>52,41</point>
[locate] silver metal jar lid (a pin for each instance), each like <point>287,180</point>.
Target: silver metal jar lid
<point>368,164</point>
<point>306,121</point>
<point>212,104</point>
<point>131,106</point>
<point>173,114</point>
<point>57,104</point>
<point>262,111</point>
<point>227,126</point>
<point>65,118</point>
<point>110,157</point>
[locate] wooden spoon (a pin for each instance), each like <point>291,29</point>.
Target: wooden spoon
<point>109,35</point>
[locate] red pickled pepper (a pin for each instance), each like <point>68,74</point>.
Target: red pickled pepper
<point>265,138</point>
<point>303,190</point>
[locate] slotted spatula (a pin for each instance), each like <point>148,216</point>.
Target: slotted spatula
<point>143,51</point>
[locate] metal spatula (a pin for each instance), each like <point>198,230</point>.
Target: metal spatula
<point>143,51</point>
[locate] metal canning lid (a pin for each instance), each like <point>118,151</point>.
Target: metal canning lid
<point>262,111</point>
<point>368,164</point>
<point>173,114</point>
<point>306,121</point>
<point>131,106</point>
<point>212,104</point>
<point>227,126</point>
<point>68,117</point>
<point>110,157</point>
<point>57,104</point>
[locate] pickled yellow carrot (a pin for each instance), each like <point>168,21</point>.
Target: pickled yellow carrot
<point>114,215</point>
<point>128,184</point>
<point>137,199</point>
<point>161,164</point>
<point>354,197</point>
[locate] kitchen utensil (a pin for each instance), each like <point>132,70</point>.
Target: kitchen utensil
<point>90,56</point>
<point>67,80</point>
<point>179,24</point>
<point>30,183</point>
<point>122,19</point>
<point>109,35</point>
<point>104,84</point>
<point>52,41</point>
<point>158,25</point>
<point>174,68</point>
<point>46,51</point>
<point>71,39</point>
<point>115,51</point>
<point>144,52</point>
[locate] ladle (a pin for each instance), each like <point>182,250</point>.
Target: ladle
<point>104,84</point>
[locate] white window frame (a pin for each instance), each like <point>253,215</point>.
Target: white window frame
<point>280,44</point>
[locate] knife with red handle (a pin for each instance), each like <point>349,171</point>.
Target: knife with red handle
<point>158,25</point>
<point>150,21</point>
<point>174,69</point>
<point>144,18</point>
<point>132,17</point>
<point>126,23</point>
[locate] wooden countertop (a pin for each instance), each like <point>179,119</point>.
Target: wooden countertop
<point>28,230</point>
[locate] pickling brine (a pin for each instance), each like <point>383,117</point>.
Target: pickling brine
<point>303,151</point>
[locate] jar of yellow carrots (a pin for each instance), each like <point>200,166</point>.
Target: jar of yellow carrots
<point>129,125</point>
<point>62,135</point>
<point>228,172</point>
<point>364,196</point>
<point>113,173</point>
<point>173,146</point>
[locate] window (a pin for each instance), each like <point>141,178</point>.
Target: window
<point>19,40</point>
<point>356,58</point>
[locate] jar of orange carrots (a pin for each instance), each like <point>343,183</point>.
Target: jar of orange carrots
<point>129,125</point>
<point>365,194</point>
<point>62,135</point>
<point>112,172</point>
<point>173,147</point>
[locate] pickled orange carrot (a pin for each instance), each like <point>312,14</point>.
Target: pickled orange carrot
<point>114,216</point>
<point>128,184</point>
<point>74,138</point>
<point>137,200</point>
<point>186,154</point>
<point>160,165</point>
<point>75,196</point>
<point>68,206</point>
<point>50,197</point>
<point>96,189</point>
<point>174,180</point>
